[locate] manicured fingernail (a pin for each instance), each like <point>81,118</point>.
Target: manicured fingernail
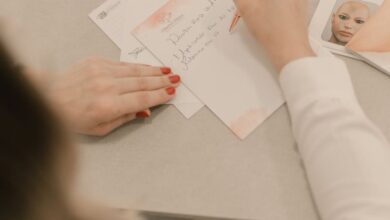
<point>166,70</point>
<point>142,115</point>
<point>174,79</point>
<point>171,91</point>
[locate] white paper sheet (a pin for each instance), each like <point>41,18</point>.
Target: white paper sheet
<point>380,61</point>
<point>228,72</point>
<point>109,18</point>
<point>114,17</point>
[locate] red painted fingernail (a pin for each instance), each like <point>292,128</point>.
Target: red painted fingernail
<point>171,91</point>
<point>166,70</point>
<point>142,115</point>
<point>174,79</point>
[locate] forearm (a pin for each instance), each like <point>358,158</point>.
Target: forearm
<point>346,157</point>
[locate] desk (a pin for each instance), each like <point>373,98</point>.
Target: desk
<point>170,164</point>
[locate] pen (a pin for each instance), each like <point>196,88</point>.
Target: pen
<point>235,21</point>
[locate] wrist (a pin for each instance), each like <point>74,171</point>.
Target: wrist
<point>284,54</point>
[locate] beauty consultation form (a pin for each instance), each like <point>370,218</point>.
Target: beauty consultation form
<point>228,71</point>
<point>116,17</point>
<point>134,52</point>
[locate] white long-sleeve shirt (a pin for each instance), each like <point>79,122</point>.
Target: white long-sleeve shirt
<point>347,158</point>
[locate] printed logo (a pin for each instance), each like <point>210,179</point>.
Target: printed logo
<point>105,13</point>
<point>167,18</point>
<point>102,15</point>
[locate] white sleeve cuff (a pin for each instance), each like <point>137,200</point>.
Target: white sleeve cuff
<point>316,77</point>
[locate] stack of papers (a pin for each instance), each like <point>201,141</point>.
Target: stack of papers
<point>227,72</point>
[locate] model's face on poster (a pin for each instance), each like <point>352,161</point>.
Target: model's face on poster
<point>347,21</point>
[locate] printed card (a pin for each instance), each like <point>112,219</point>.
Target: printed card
<point>134,52</point>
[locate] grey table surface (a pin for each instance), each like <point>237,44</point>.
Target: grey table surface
<point>168,163</point>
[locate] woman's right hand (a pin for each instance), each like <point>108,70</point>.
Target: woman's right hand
<point>279,26</point>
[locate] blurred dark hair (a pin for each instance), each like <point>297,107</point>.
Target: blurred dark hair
<point>30,136</point>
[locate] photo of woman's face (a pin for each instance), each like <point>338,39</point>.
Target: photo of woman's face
<point>347,21</point>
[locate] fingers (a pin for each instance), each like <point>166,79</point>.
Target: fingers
<point>137,70</point>
<point>106,128</point>
<point>144,114</point>
<point>119,92</point>
<point>122,69</point>
<point>138,101</point>
<point>136,84</point>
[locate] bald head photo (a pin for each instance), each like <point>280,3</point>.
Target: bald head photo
<point>347,18</point>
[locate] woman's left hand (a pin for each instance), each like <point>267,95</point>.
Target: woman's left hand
<point>99,95</point>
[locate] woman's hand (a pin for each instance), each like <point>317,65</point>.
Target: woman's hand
<point>279,26</point>
<point>99,95</point>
